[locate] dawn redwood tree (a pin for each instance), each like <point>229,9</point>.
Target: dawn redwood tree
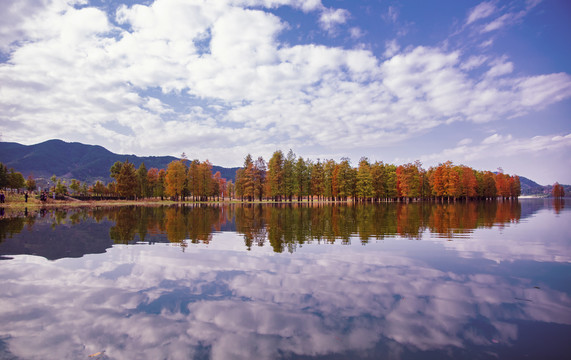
<point>365,190</point>
<point>216,182</point>
<point>161,184</point>
<point>98,188</point>
<point>558,191</point>
<point>175,179</point>
<point>329,182</point>
<point>259,174</point>
<point>489,183</point>
<point>230,189</point>
<point>152,181</point>
<point>317,180</point>
<point>193,178</point>
<point>503,184</point>
<point>127,180</point>
<point>142,183</point>
<point>302,179</point>
<point>205,186</point>
<point>289,175</point>
<point>276,175</point>
<point>515,187</point>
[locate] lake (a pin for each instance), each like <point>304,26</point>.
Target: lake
<point>474,280</point>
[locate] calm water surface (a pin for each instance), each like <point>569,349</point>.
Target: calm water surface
<point>391,281</point>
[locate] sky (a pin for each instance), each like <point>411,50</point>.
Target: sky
<point>484,84</point>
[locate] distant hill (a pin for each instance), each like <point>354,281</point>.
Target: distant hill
<point>86,163</point>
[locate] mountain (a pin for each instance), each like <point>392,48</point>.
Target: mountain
<point>86,163</point>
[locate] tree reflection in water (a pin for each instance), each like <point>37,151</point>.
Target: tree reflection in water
<point>284,227</point>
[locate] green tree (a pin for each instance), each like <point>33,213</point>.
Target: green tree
<point>142,182</point>
<point>289,175</point>
<point>276,175</point>
<point>60,188</point>
<point>365,190</point>
<point>127,180</point>
<point>115,170</point>
<point>302,178</point>
<point>3,176</point>
<point>329,185</point>
<point>75,186</point>
<point>16,180</point>
<point>259,175</point>
<point>346,179</point>
<point>317,180</point>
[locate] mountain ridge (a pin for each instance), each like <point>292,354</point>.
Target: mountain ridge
<point>78,161</point>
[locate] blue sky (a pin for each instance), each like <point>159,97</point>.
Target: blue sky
<point>485,84</point>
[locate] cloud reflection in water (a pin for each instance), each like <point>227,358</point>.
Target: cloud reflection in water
<point>395,297</point>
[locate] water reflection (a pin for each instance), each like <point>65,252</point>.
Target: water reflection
<point>283,227</point>
<point>496,290</point>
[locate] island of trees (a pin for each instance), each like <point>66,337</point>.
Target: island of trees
<point>289,178</point>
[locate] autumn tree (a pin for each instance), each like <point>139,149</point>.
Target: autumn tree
<point>558,191</point>
<point>98,188</point>
<point>515,187</point>
<point>329,181</point>
<point>503,184</point>
<point>152,181</point>
<point>216,185</point>
<point>205,185</point>
<point>175,179</point>
<point>161,184</point>
<point>408,180</point>
<point>193,178</point>
<point>30,183</point>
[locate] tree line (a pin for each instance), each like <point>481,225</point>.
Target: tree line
<point>182,180</point>
<point>289,178</point>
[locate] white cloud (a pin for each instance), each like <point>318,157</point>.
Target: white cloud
<point>499,68</point>
<point>330,18</point>
<point>465,141</point>
<point>391,48</point>
<point>502,146</point>
<point>253,93</point>
<point>391,15</point>
<point>356,32</point>
<point>481,11</point>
